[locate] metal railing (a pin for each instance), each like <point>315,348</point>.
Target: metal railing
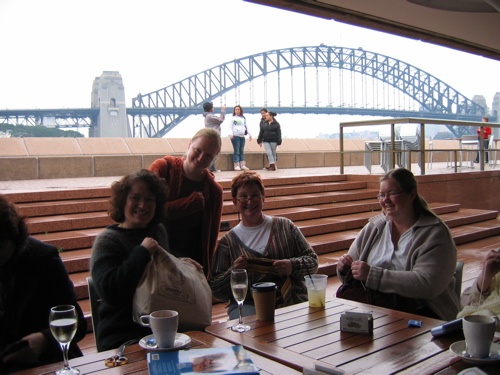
<point>421,150</point>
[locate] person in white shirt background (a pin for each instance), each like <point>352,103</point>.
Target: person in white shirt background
<point>237,131</point>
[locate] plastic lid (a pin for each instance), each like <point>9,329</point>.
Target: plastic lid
<point>264,286</point>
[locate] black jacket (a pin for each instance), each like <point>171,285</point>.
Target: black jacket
<point>35,280</point>
<point>269,132</point>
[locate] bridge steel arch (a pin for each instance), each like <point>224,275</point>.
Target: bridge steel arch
<point>182,98</point>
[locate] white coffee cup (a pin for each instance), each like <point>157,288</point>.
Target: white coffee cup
<point>479,331</point>
<point>164,325</point>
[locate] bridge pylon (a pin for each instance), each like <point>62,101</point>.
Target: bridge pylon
<point>108,95</point>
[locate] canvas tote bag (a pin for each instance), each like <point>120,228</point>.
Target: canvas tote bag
<point>169,283</point>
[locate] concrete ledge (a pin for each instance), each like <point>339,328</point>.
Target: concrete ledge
<point>142,146</point>
<point>116,165</point>
<point>13,147</point>
<point>66,167</point>
<point>103,146</point>
<point>309,159</point>
<point>18,169</point>
<point>318,144</point>
<point>52,146</point>
<point>93,157</point>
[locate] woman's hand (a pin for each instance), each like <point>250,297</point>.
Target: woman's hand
<point>250,138</point>
<point>283,267</point>
<point>240,263</point>
<point>30,353</point>
<point>201,197</point>
<point>492,262</point>
<point>151,245</point>
<point>490,268</point>
<point>231,136</point>
<point>260,144</point>
<point>360,270</point>
<point>344,263</point>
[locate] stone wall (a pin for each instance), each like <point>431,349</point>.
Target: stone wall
<point>33,158</point>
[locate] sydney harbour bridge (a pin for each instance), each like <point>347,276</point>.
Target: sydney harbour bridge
<point>301,80</point>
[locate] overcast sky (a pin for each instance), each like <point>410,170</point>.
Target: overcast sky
<point>53,49</point>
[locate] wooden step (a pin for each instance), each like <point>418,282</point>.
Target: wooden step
<point>69,240</point>
<point>467,216</point>
<point>476,231</point>
<point>47,208</point>
<point>57,194</point>
<point>291,180</point>
<point>67,222</point>
<point>309,199</point>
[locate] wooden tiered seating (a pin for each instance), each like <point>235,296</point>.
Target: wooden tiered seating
<point>329,210</point>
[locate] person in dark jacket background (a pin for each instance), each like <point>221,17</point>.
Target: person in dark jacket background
<point>33,279</point>
<point>270,136</point>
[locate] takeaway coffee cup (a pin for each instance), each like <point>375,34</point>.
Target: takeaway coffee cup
<point>316,289</point>
<point>479,331</point>
<point>164,324</point>
<point>264,297</point>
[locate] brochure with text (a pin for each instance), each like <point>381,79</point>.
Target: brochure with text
<point>228,360</point>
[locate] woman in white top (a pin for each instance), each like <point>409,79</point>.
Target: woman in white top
<point>237,131</point>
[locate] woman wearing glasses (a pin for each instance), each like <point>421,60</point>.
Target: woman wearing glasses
<point>270,248</point>
<point>405,257</point>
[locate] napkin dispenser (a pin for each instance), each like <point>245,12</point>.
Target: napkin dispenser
<point>356,322</point>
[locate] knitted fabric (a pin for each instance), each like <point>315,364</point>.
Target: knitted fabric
<point>487,304</point>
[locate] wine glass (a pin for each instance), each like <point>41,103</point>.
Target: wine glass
<point>239,286</point>
<point>63,323</point>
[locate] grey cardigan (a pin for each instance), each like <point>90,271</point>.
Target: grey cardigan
<point>429,269</point>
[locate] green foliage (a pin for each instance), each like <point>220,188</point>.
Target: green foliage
<point>37,131</point>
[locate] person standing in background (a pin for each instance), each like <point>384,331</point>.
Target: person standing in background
<point>237,132</point>
<point>212,121</point>
<point>270,136</point>
<point>487,133</point>
<point>263,121</point>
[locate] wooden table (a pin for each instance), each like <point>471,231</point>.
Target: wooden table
<point>94,363</point>
<point>301,335</point>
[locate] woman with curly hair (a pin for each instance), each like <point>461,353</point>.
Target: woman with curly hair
<point>122,251</point>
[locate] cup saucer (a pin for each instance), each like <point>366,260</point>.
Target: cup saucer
<point>149,343</point>
<point>458,348</point>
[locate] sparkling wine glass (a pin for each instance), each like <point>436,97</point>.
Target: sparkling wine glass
<point>63,323</point>
<point>239,286</point>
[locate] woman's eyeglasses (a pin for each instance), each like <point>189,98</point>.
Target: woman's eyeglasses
<point>246,198</point>
<point>381,197</point>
